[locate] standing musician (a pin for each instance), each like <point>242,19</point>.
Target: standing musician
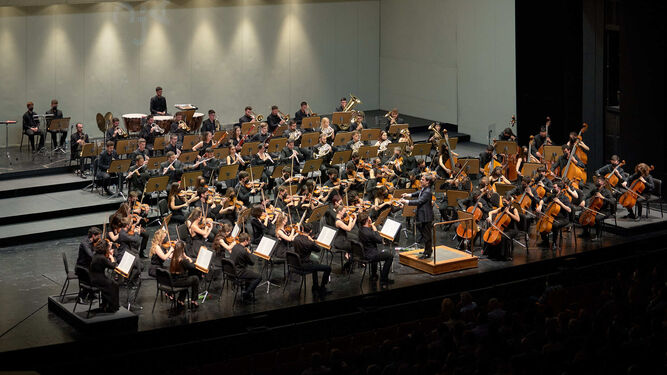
<point>137,176</point>
<point>77,140</point>
<point>290,153</point>
<point>140,151</point>
<point>370,238</point>
<point>248,116</point>
<point>262,135</point>
<point>540,139</point>
<point>54,134</point>
<point>31,127</point>
<point>643,174</point>
<point>301,113</point>
<point>173,145</point>
<point>607,209</point>
<point>149,132</point>
<point>172,167</point>
<point>178,204</point>
<point>507,135</point>
<point>114,132</point>
<point>104,259</point>
<point>304,246</point>
<point>573,139</point>
<point>274,120</point>
<point>103,163</point>
<point>341,106</point>
<point>211,124</point>
<point>242,261</point>
<point>158,105</point>
<point>177,127</point>
<point>608,168</point>
<point>424,213</point>
<point>502,251</point>
<point>563,217</point>
<point>327,129</point>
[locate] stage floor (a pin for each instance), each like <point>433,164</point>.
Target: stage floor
<point>32,272</point>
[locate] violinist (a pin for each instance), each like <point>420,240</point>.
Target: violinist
<point>419,169</point>
<point>370,238</point>
<point>284,236</point>
<point>563,216</point>
<point>507,135</point>
<point>223,241</point>
<point>177,203</point>
<point>172,167</point>
<point>382,201</point>
<point>304,246</point>
<point>337,217</point>
<point>206,204</point>
<point>230,207</point>
<point>396,161</point>
<point>140,217</point>
<point>102,260</point>
<point>613,166</point>
<point>245,188</point>
<point>260,223</point>
<point>183,272</point>
<point>333,179</point>
<point>128,240</point>
<point>643,174</point>
<point>158,254</point>
<point>241,258</point>
<point>607,208</point>
<point>85,256</point>
<point>502,250</point>
<point>354,180</point>
<point>209,165</point>
<point>540,139</point>
<point>199,228</point>
<point>382,144</point>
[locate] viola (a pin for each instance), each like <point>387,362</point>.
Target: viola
<point>494,234</point>
<point>141,207</point>
<point>385,183</point>
<point>629,198</point>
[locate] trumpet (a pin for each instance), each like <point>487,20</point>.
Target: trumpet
<point>121,132</point>
<point>158,129</point>
<point>183,125</point>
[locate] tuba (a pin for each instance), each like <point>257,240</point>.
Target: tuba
<point>436,137</point>
<point>348,107</point>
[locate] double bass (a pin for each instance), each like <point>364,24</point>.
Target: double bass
<point>629,198</point>
<point>451,162</point>
<point>572,171</point>
<point>541,149</point>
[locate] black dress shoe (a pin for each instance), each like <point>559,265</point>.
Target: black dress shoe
<point>424,256</point>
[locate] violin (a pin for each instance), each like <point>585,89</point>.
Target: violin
<point>348,216</point>
<point>186,194</point>
<point>365,166</point>
<point>141,207</point>
<point>611,177</point>
<point>169,244</point>
<point>494,234</point>
<point>206,223</point>
<point>385,183</point>
<point>629,198</point>
<point>545,223</point>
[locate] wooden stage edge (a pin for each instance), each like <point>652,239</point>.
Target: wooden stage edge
<point>455,261</point>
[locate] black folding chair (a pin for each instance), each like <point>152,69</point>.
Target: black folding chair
<point>294,267</point>
<point>86,285</point>
<point>165,283</point>
<point>69,275</point>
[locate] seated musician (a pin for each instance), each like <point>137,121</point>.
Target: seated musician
<point>354,143</point>
<point>370,238</point>
<point>103,163</point>
<point>224,242</point>
<point>573,139</point>
<point>235,158</point>
<point>496,176</point>
<point>54,134</point>
<point>184,274</point>
<point>207,205</point>
<point>140,151</point>
<point>158,104</point>
<point>260,222</point>
<point>235,138</point>
<point>230,207</point>
<point>542,179</point>
<point>291,154</point>
<point>274,120</point>
<point>608,168</point>
<point>489,196</point>
<point>172,167</point>
<point>176,127</point>
<point>502,251</point>
<point>563,217</point>
<point>420,168</point>
<point>642,173</point>
<point>443,157</point>
<point>381,201</point>
<point>323,150</point>
<point>486,156</point>
<point>127,236</point>
<point>205,143</point>
<point>114,132</point>
<point>327,129</point>
<point>139,218</point>
<point>262,135</point>
<point>382,143</point>
<point>77,140</point>
<point>209,166</point>
<point>248,116</point>
<point>283,235</point>
<point>507,135</point>
<point>31,128</point>
<point>396,162</point>
<point>174,145</point>
<point>263,158</point>
<point>282,198</point>
<point>211,124</point>
<point>242,261</point>
<point>85,255</point>
<point>137,176</point>
<point>301,113</point>
<point>561,163</point>
<point>359,121</point>
<point>607,210</point>
<point>177,204</point>
<point>337,217</point>
<point>341,105</point>
<point>576,194</point>
<point>521,158</point>
<point>292,133</point>
<point>102,260</point>
<point>149,132</point>
<point>245,188</point>
<point>199,228</point>
<point>405,137</point>
<point>157,253</point>
<point>540,139</point>
<point>409,161</point>
<point>304,246</point>
<point>392,119</point>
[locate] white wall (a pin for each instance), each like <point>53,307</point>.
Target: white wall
<point>450,60</point>
<point>110,56</point>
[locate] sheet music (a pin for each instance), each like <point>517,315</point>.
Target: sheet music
<point>265,246</point>
<point>203,258</point>
<point>126,263</point>
<point>326,236</point>
<point>390,228</point>
<point>236,230</point>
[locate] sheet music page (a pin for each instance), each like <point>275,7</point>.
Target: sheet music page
<point>236,230</point>
<point>265,246</point>
<point>204,257</point>
<point>326,236</point>
<point>390,228</point>
<point>126,263</point>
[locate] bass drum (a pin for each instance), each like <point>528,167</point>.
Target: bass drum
<point>196,121</point>
<point>133,121</point>
<point>164,122</point>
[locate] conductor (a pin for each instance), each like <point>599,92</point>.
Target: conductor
<point>424,217</point>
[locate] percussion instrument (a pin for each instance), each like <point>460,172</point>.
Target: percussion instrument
<point>164,122</point>
<point>133,121</point>
<point>196,121</point>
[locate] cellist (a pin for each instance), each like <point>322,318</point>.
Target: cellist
<point>563,216</point>
<point>501,251</point>
<point>607,209</point>
<point>614,167</point>
<point>643,174</point>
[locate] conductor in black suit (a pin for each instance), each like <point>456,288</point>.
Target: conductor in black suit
<point>424,218</point>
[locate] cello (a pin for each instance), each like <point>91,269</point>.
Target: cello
<point>612,177</point>
<point>476,211</point>
<point>629,198</point>
<point>545,223</point>
<point>494,234</point>
<point>587,218</point>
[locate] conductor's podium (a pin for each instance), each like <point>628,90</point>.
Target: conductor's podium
<point>447,259</point>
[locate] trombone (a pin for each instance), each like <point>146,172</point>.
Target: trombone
<point>310,111</point>
<point>258,118</point>
<point>283,116</point>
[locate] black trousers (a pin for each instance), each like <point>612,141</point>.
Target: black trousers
<point>109,288</point>
<point>313,268</point>
<point>385,256</point>
<point>191,281</point>
<point>555,230</point>
<point>252,279</point>
<point>54,138</point>
<point>426,232</point>
<point>31,136</point>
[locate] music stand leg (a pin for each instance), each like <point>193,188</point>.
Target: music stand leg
<point>119,190</point>
<point>268,282</point>
<point>9,157</point>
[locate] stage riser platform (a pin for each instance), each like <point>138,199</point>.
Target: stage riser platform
<point>97,322</point>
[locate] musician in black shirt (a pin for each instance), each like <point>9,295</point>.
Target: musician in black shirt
<point>248,116</point>
<point>608,168</point>
<point>607,210</point>
<point>563,216</point>
<point>86,254</point>
<point>486,156</point>
<point>149,132</point>
<point>114,132</point>
<point>31,128</point>
<point>140,151</point>
<point>301,113</point>
<point>158,103</point>
<point>507,135</point>
<point>103,163</point>
<point>540,139</point>
<point>342,105</point>
<point>563,159</point>
<point>77,140</point>
<point>172,167</point>
<point>304,246</point>
<point>370,238</point>
<point>176,128</point>
<point>211,124</point>
<point>173,145</point>
<point>104,259</point>
<point>137,176</point>
<point>54,134</point>
<point>274,120</point>
<point>242,261</point>
<point>262,134</point>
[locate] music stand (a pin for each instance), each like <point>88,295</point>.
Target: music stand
<point>278,170</point>
<point>469,223</point>
<point>249,128</point>
<point>502,189</point>
<point>255,172</point>
<point>189,179</point>
<point>529,169</point>
<point>342,138</point>
<point>453,141</point>
<point>119,167</point>
<point>228,172</point>
<point>341,157</point>
<point>382,217</point>
<point>59,125</point>
<point>368,135</point>
<point>506,147</point>
<point>159,143</point>
<point>189,141</point>
<point>395,129</point>
<point>156,184</point>
<point>421,149</point>
<point>552,153</point>
<point>220,153</point>
<point>309,139</point>
<point>339,118</point>
<point>280,129</point>
<point>311,165</point>
<point>454,195</point>
<point>276,145</point>
<point>123,147</point>
<point>89,150</point>
<point>154,162</point>
<point>368,152</point>
<point>392,146</point>
<point>317,214</point>
<point>249,149</point>
<point>265,250</point>
<point>471,165</point>
<point>188,157</point>
<point>310,122</point>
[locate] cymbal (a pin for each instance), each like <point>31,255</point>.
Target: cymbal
<point>100,122</point>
